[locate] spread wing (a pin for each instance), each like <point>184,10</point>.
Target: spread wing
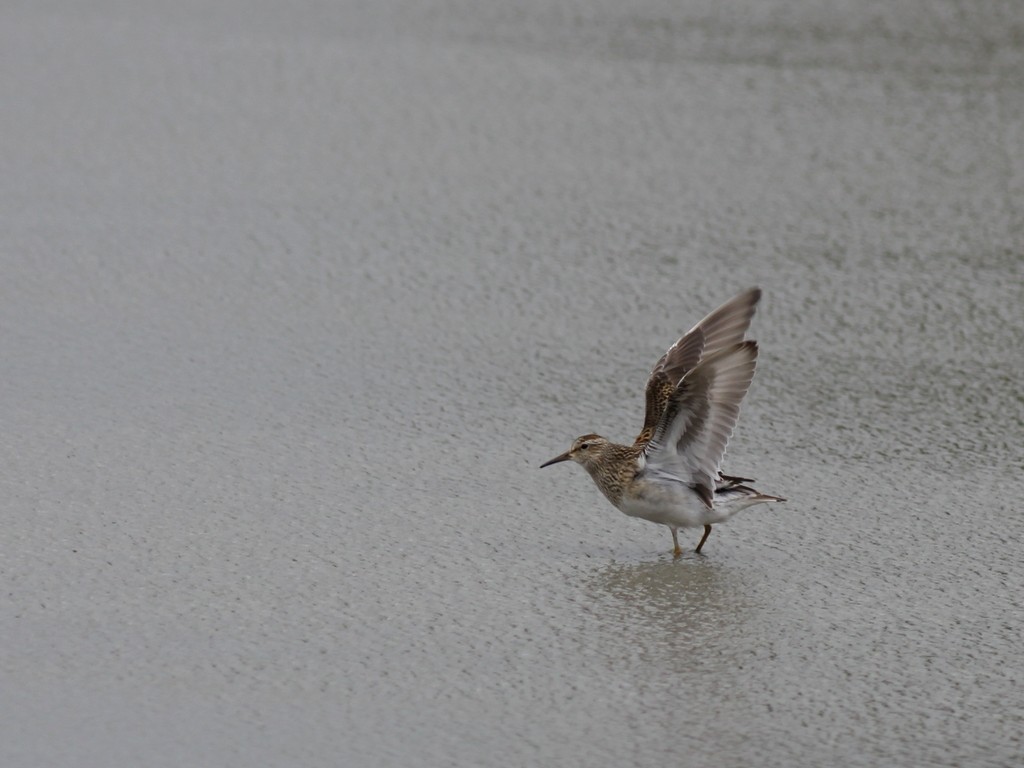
<point>721,329</point>
<point>690,440</point>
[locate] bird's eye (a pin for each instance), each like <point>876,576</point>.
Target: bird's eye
<point>584,446</point>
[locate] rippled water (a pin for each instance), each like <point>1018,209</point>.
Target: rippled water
<point>296,301</point>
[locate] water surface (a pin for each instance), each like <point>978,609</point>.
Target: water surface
<point>295,301</point>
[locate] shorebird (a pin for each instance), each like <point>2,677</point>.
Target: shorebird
<point>671,474</point>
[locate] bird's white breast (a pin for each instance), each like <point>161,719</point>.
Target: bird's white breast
<point>668,503</point>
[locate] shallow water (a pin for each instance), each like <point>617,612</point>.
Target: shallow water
<point>296,301</point>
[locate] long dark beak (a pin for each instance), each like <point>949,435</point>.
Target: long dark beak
<point>562,457</point>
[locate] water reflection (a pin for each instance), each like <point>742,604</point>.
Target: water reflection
<point>673,612</point>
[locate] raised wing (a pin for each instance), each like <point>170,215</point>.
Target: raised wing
<point>690,440</point>
<point>721,329</point>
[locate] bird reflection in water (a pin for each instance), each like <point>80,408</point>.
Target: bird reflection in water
<point>688,617</point>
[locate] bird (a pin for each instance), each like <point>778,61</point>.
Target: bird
<point>671,474</point>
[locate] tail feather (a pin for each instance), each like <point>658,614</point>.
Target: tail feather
<point>730,480</point>
<point>735,488</point>
<point>737,491</point>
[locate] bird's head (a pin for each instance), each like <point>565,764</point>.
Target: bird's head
<point>587,450</point>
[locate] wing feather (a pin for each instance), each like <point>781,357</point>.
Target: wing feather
<point>721,329</point>
<point>690,440</point>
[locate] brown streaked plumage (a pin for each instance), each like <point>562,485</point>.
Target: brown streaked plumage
<point>671,473</point>
<point>725,326</point>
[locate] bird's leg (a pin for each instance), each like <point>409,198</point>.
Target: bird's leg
<point>676,551</point>
<point>707,532</point>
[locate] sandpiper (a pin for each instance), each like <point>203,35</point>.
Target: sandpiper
<point>671,473</point>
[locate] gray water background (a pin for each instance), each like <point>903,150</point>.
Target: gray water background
<point>295,297</point>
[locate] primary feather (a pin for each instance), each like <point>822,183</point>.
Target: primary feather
<point>721,329</point>
<point>699,418</point>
